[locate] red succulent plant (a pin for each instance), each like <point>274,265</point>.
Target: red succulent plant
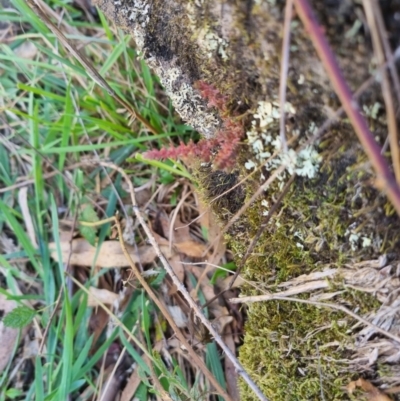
<point>223,146</point>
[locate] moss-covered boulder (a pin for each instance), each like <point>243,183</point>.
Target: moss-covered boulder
<point>335,238</point>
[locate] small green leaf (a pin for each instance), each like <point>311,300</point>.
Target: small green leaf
<point>155,281</point>
<point>13,393</point>
<point>219,273</point>
<point>19,317</point>
<point>88,214</point>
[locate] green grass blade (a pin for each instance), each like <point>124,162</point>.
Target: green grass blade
<point>181,171</point>
<point>214,364</point>
<point>22,237</point>
<point>39,387</point>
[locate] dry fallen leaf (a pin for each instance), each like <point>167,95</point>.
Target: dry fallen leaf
<point>191,248</point>
<point>177,266</point>
<point>372,393</point>
<point>26,50</point>
<point>110,254</point>
<point>8,336</point>
<point>208,222</point>
<point>100,294</point>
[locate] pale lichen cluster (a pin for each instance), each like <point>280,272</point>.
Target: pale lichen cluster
<point>187,101</point>
<point>357,239</point>
<point>265,142</point>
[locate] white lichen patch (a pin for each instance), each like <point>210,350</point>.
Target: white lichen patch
<point>304,163</point>
<point>357,239</point>
<point>215,45</point>
<point>265,205</point>
<point>372,111</point>
<point>188,102</point>
<point>136,16</point>
<point>250,165</point>
<point>138,12</point>
<point>212,43</point>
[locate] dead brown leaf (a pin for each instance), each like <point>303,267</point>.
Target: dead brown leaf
<point>100,294</point>
<point>191,248</point>
<point>97,323</point>
<point>177,266</point>
<point>110,254</point>
<point>8,336</point>
<point>372,393</point>
<point>180,232</point>
<point>208,222</point>
<point>131,386</point>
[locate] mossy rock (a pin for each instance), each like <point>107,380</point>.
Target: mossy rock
<point>335,238</point>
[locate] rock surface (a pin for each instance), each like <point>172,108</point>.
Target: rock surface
<point>333,219</point>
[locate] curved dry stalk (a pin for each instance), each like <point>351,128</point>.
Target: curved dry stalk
<point>259,191</point>
<point>182,289</point>
<point>175,215</point>
<point>254,241</point>
<point>385,179</point>
<point>276,297</point>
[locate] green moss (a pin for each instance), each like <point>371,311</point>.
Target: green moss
<point>290,361</point>
<point>298,346</point>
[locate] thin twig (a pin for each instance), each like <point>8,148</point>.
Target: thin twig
<point>275,297</point>
<point>385,179</point>
<point>182,289</point>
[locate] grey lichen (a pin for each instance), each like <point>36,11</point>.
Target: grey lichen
<point>162,40</point>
